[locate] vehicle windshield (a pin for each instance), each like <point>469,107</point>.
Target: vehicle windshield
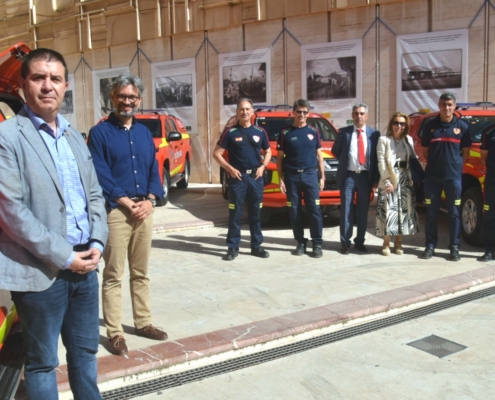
<point>153,125</point>
<point>476,123</point>
<point>273,126</point>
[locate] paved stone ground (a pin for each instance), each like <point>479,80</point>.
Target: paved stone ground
<point>194,291</point>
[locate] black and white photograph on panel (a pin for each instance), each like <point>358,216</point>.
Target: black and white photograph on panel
<point>68,106</point>
<point>243,74</point>
<point>245,80</point>
<point>429,64</point>
<point>331,78</point>
<point>102,86</point>
<point>174,91</point>
<point>429,70</point>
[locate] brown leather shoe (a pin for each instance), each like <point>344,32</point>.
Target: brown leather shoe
<point>151,332</point>
<point>117,345</point>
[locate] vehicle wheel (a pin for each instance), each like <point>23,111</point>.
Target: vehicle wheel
<point>166,188</point>
<point>471,216</point>
<point>225,183</point>
<point>182,184</point>
<point>265,215</point>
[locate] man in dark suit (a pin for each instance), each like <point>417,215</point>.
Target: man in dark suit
<point>355,148</point>
<point>53,226</point>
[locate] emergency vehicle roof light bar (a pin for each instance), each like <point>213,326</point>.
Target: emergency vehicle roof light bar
<point>152,110</point>
<point>267,107</point>
<point>465,106</point>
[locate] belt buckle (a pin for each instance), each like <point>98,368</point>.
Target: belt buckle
<point>249,171</point>
<point>300,171</point>
<point>358,171</point>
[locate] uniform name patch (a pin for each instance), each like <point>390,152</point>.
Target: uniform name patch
<point>238,139</point>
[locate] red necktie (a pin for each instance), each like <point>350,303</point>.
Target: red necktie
<point>360,138</point>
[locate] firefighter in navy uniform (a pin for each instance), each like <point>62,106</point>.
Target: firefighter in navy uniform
<point>488,158</point>
<point>446,142</point>
<point>245,168</point>
<point>298,173</point>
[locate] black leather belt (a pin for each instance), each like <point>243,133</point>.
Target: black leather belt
<point>251,171</point>
<point>299,171</point>
<point>401,164</point>
<point>359,171</point>
<point>81,247</point>
<point>138,198</point>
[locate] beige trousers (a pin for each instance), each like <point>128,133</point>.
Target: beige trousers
<point>126,236</point>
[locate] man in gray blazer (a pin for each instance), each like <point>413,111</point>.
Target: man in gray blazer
<point>52,232</point>
<point>355,148</point>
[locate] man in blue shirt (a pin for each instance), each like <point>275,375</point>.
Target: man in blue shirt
<point>52,232</point>
<point>488,158</point>
<point>299,161</point>
<point>124,157</point>
<point>446,142</point>
<point>245,168</point>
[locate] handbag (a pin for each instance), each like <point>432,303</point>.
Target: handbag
<point>417,172</point>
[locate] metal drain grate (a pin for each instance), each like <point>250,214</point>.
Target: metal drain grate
<point>223,367</point>
<point>437,346</point>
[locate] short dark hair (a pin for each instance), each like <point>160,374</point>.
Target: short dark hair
<point>447,96</point>
<point>125,80</point>
<point>45,55</point>
<point>243,100</point>
<point>301,103</point>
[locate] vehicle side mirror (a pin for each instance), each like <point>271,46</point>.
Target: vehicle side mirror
<point>173,136</point>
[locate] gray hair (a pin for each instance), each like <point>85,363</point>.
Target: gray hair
<point>301,103</point>
<point>447,96</point>
<point>125,80</point>
<point>243,100</point>
<point>359,105</point>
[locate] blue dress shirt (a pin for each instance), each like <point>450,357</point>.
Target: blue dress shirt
<point>78,228</point>
<point>124,160</point>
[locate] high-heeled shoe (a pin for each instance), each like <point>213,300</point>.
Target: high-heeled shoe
<point>385,247</point>
<point>398,245</point>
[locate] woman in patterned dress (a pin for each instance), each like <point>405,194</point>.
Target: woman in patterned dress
<point>396,213</point>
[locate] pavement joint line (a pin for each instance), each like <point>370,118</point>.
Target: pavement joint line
<point>160,370</point>
<point>189,225</point>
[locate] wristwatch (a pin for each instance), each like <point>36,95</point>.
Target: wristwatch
<point>153,201</point>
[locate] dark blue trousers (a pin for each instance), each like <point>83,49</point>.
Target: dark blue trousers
<point>433,191</point>
<point>69,307</point>
<point>360,184</point>
<point>489,214</point>
<point>299,185</point>
<point>248,190</point>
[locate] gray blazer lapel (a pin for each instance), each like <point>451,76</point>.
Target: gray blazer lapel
<point>28,130</point>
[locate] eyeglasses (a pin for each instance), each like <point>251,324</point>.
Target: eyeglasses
<point>302,112</point>
<point>397,123</point>
<point>132,98</point>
